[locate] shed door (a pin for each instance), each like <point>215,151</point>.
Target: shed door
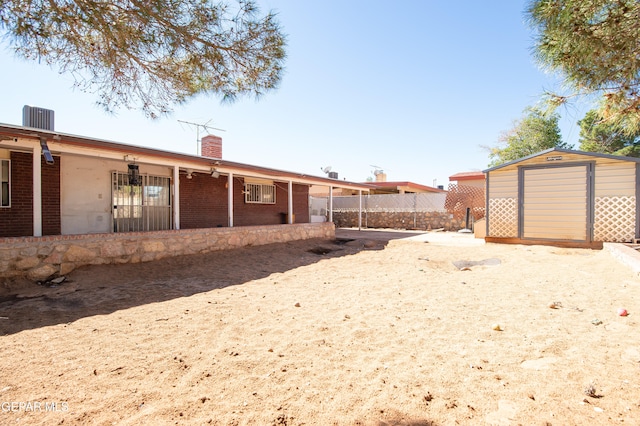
<point>555,203</point>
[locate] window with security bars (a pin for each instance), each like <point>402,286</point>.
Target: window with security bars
<point>5,199</point>
<point>259,194</point>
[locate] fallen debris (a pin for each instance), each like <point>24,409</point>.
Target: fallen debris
<point>590,391</point>
<point>464,265</point>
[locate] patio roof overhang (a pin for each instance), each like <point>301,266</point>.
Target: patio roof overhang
<point>20,137</point>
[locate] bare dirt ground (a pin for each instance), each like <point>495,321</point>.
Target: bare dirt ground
<point>375,331</point>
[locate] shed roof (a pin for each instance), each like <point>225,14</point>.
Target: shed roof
<point>564,151</point>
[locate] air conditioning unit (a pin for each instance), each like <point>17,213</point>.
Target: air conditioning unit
<point>333,175</point>
<point>38,118</point>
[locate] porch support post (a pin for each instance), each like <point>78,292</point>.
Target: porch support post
<point>359,209</point>
<point>176,197</point>
<point>330,203</point>
<point>230,199</point>
<point>290,206</point>
<point>37,191</point>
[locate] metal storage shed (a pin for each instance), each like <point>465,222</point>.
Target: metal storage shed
<point>565,198</point>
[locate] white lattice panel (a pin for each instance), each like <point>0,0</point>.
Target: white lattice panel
<point>614,219</point>
<point>503,217</point>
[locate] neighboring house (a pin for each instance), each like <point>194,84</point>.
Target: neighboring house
<point>475,179</point>
<point>403,187</point>
<point>379,187</point>
<point>400,205</point>
<point>382,186</point>
<point>564,197</point>
<point>54,183</point>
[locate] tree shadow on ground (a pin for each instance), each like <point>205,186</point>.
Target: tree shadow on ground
<point>103,289</point>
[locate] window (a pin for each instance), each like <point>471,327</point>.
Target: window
<point>259,194</point>
<point>4,184</point>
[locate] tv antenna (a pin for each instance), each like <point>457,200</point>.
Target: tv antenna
<point>377,170</point>
<point>198,126</point>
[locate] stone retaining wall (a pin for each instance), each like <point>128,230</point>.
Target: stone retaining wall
<point>399,220</point>
<point>41,258</point>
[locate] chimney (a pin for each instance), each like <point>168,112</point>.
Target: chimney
<point>211,146</point>
<point>381,177</point>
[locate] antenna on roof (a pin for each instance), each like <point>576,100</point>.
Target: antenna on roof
<point>377,170</point>
<point>329,173</point>
<point>205,127</point>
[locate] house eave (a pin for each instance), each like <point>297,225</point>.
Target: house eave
<point>91,146</point>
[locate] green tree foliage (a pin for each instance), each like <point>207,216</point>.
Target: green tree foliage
<point>601,136</point>
<point>595,45</point>
<point>534,132</point>
<point>152,54</point>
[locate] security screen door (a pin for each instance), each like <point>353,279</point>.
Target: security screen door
<point>145,206</point>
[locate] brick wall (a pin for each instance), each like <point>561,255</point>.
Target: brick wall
<point>17,220</point>
<point>51,197</point>
<point>301,203</point>
<point>245,214</point>
<point>203,201</point>
<point>203,204</point>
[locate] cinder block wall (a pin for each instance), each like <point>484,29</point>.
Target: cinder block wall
<point>399,220</point>
<point>41,258</point>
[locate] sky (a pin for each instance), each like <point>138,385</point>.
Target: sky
<point>414,88</point>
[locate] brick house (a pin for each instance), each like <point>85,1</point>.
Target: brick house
<point>60,184</point>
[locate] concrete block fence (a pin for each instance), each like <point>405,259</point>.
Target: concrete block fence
<point>399,220</point>
<point>42,258</point>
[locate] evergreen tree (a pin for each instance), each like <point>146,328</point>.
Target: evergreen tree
<point>595,45</point>
<point>150,54</point>
<point>601,136</point>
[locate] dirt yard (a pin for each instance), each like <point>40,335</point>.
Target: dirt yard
<point>434,329</point>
